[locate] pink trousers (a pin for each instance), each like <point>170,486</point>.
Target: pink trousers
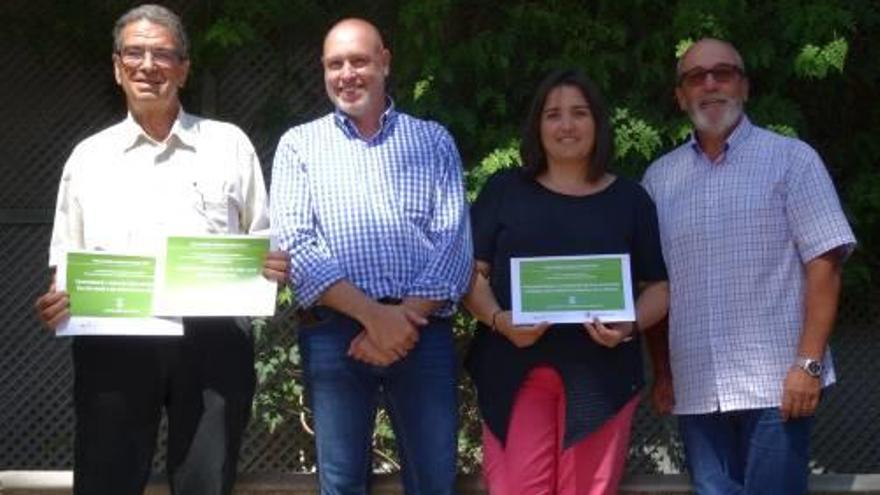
<point>533,462</point>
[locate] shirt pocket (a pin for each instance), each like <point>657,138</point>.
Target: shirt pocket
<point>212,202</point>
<point>415,190</point>
<point>757,213</point>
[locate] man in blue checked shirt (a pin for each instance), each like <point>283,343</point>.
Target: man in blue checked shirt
<point>754,238</point>
<point>369,202</point>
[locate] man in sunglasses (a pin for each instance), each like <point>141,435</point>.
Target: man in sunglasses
<point>754,237</point>
<point>161,170</point>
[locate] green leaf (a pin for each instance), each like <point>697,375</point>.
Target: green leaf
<point>634,135</point>
<point>814,62</point>
<point>285,296</point>
<point>228,33</point>
<point>421,87</point>
<point>682,46</point>
<point>499,158</point>
<point>785,130</point>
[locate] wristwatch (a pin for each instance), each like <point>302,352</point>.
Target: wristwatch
<point>812,367</point>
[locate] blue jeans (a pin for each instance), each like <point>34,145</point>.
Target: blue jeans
<point>419,392</point>
<point>746,452</point>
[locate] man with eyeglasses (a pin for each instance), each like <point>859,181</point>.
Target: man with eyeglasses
<point>754,238</point>
<point>161,170</point>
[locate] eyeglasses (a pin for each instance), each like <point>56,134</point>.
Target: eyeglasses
<point>722,73</point>
<point>134,56</point>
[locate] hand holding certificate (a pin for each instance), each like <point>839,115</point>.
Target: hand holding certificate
<point>571,289</point>
<point>215,276</point>
<point>111,294</point>
<point>120,294</point>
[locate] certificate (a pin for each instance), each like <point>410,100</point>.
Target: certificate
<point>111,294</point>
<point>214,275</point>
<point>571,289</point>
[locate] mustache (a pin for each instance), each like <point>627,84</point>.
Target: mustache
<point>716,98</point>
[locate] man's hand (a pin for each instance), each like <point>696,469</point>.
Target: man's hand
<point>276,265</point>
<point>662,391</point>
<point>363,349</point>
<point>422,306</point>
<point>800,391</point>
<point>52,308</point>
<point>520,335</point>
<point>393,328</point>
<point>609,335</point>
<point>800,394</point>
<point>662,394</point>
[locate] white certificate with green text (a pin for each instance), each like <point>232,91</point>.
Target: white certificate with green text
<point>214,275</point>
<point>571,289</point>
<point>110,294</point>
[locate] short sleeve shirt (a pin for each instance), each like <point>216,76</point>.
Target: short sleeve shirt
<point>736,235</point>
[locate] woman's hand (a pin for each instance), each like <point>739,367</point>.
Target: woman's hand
<point>610,334</point>
<point>520,335</point>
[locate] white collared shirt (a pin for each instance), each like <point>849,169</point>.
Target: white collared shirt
<point>122,191</point>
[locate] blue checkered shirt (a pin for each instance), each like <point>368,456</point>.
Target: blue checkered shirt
<point>736,235</point>
<point>386,213</point>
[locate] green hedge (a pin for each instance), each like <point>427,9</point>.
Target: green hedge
<point>814,67</point>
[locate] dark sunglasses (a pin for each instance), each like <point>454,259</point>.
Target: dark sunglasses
<point>722,73</point>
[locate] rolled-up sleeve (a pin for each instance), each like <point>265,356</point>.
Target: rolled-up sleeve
<point>295,225</point>
<point>447,273</point>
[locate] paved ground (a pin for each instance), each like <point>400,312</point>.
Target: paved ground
<point>59,483</point>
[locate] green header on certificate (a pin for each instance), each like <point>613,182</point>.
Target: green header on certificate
<point>571,285</point>
<point>110,285</point>
<point>194,262</point>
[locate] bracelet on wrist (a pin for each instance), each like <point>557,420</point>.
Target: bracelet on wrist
<point>632,334</point>
<point>494,326</point>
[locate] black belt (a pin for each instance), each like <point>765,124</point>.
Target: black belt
<point>315,314</point>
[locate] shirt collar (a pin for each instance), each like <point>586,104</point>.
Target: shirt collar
<point>739,134</point>
<point>386,122</point>
<point>184,132</point>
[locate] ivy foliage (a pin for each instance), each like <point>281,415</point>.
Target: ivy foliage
<point>813,68</point>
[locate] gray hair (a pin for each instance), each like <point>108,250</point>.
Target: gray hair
<point>156,14</point>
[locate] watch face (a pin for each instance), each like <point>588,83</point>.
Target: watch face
<point>814,368</point>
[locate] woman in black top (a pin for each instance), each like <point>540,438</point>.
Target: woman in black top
<point>557,400</point>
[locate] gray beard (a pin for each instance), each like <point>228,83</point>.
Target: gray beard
<point>728,119</point>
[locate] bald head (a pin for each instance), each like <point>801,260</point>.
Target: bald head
<point>355,28</point>
<point>719,51</point>
<point>712,88</point>
<point>356,64</point>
